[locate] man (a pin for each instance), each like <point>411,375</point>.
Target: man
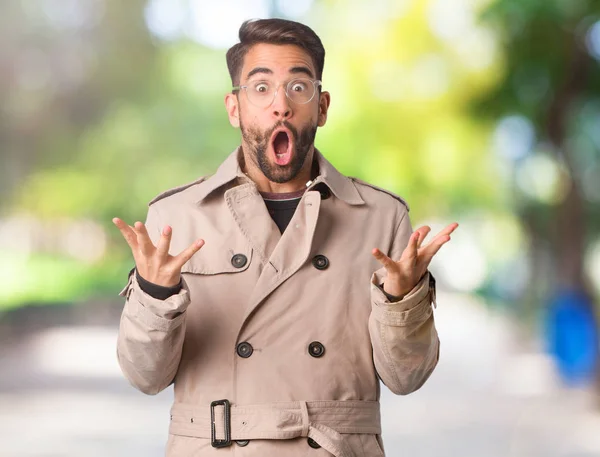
<point>251,288</point>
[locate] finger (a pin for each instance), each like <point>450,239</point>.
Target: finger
<point>432,248</point>
<point>424,231</point>
<point>129,235</point>
<point>446,231</point>
<point>388,263</point>
<point>144,242</point>
<point>412,248</point>
<point>164,243</point>
<point>187,253</point>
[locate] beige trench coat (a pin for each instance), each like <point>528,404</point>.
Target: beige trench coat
<point>291,329</point>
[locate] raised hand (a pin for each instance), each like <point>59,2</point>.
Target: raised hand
<point>404,274</point>
<point>154,263</point>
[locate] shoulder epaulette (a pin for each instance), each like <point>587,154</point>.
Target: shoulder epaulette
<point>175,190</point>
<point>381,189</point>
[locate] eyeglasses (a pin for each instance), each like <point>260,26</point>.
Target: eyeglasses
<point>262,93</point>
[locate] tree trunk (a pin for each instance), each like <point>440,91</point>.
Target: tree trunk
<point>570,215</point>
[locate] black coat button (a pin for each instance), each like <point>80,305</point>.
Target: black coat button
<point>320,262</point>
<point>242,443</point>
<point>323,190</point>
<point>244,350</point>
<point>316,349</point>
<point>325,194</point>
<point>239,260</point>
<point>312,443</point>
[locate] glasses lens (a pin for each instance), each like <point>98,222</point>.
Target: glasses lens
<point>260,93</point>
<point>300,90</point>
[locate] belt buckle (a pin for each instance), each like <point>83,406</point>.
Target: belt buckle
<point>227,424</point>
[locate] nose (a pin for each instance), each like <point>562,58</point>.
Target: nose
<point>281,107</point>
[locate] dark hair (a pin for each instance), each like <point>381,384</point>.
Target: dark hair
<point>274,31</point>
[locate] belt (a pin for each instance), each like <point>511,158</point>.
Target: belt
<point>324,421</point>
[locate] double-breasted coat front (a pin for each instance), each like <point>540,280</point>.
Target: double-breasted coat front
<point>288,334</point>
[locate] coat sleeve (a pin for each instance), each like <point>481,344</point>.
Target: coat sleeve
<point>151,331</point>
<point>403,334</point>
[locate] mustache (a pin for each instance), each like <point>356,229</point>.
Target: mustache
<point>285,124</point>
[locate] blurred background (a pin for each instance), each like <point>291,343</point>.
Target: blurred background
<point>485,112</point>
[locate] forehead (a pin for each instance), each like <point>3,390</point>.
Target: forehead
<point>278,58</point>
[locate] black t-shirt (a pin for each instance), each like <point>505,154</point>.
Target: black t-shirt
<point>282,206</point>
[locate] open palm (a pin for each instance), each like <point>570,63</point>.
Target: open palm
<point>404,274</point>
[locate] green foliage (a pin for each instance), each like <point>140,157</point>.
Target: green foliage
<point>411,111</point>
<point>45,279</point>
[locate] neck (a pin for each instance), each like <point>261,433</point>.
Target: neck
<point>264,185</point>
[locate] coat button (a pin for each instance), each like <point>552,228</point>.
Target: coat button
<point>316,349</point>
<point>312,443</point>
<point>325,194</point>
<point>242,443</point>
<point>323,190</point>
<point>239,260</point>
<point>244,350</point>
<point>320,262</point>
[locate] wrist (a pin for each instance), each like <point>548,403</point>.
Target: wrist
<point>389,296</point>
<point>158,290</point>
<point>168,283</point>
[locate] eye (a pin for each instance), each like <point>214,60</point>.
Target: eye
<point>261,87</point>
<point>298,86</point>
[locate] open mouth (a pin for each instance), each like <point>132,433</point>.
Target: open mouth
<point>281,143</point>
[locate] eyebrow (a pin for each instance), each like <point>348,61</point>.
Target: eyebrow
<point>268,71</point>
<point>259,70</point>
<point>304,70</point>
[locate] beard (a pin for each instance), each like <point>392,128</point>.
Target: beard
<point>258,142</point>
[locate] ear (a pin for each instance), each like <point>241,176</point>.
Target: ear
<point>233,109</point>
<point>324,100</point>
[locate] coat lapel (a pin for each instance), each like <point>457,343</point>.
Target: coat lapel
<point>290,253</point>
<point>252,217</point>
<point>280,255</point>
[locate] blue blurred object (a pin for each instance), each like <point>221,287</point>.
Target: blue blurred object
<point>572,336</point>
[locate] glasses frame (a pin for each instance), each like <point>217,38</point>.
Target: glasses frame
<point>315,82</point>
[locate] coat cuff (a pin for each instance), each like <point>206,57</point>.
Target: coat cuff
<point>162,314</point>
<point>412,306</point>
<point>156,291</point>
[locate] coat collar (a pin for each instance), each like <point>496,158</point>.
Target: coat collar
<point>341,186</point>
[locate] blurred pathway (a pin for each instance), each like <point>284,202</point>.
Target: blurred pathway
<point>492,395</point>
